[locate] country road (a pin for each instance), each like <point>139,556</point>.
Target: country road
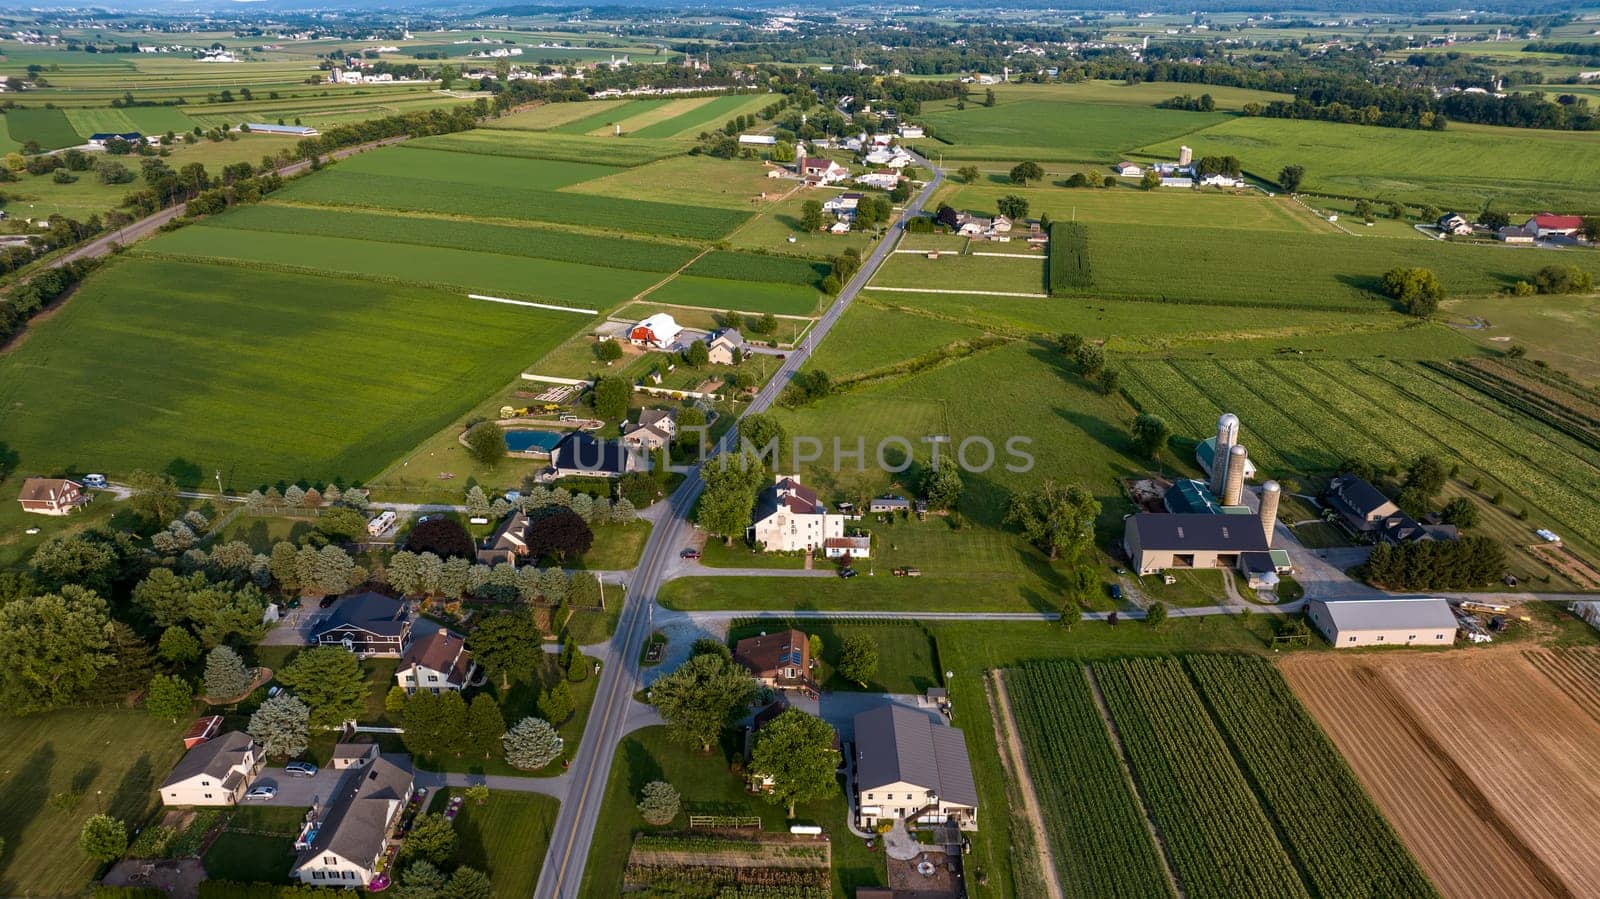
<point>562,874</point>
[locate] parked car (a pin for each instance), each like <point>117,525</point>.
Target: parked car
<point>1116,591</point>
<point>94,481</point>
<point>261,794</point>
<point>690,553</point>
<point>326,602</point>
<point>301,769</point>
<point>848,572</point>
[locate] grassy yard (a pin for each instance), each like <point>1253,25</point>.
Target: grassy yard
<point>707,787</point>
<point>256,846</point>
<point>59,768</point>
<point>520,701</point>
<point>717,554</point>
<point>506,838</point>
<point>908,660</point>
<point>772,229</point>
<point>616,546</point>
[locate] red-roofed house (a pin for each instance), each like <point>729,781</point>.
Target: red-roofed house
<point>51,496</point>
<point>1547,225</point>
<point>790,518</point>
<point>822,171</point>
<point>435,663</point>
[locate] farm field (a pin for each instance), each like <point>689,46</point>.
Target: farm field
<point>475,169</point>
<point>1126,205</point>
<point>1307,417</point>
<point>858,346</point>
<point>976,273</point>
<point>49,127</point>
<point>1562,331</point>
<point>471,272</point>
<point>696,180</point>
<point>759,267</point>
<point>1479,749</point>
<point>605,113</point>
<point>1048,129</point>
<point>1463,166</point>
<point>548,145</point>
<point>745,296</point>
<point>703,116</point>
<point>146,120</point>
<point>188,368</point>
<point>547,116</point>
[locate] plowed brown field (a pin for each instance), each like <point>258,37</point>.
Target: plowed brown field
<point>1487,768</point>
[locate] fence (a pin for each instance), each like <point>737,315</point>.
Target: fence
<point>723,821</point>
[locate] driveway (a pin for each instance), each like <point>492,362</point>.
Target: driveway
<point>841,708</point>
<point>297,792</point>
<point>294,629</point>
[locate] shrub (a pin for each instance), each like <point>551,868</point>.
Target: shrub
<point>658,803</point>
<point>1559,279</point>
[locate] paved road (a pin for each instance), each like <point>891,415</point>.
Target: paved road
<point>548,786</point>
<point>614,709</point>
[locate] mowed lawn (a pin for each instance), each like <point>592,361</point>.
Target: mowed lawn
<point>1024,274</point>
<point>471,272</point>
<point>59,768</point>
<point>506,838</point>
<point>1515,169</point>
<point>196,368</point>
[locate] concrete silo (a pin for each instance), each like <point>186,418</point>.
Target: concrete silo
<point>1233,486</point>
<point>1227,436</point>
<point>1270,494</point>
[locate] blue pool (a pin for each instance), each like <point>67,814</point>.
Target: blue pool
<point>532,441</point>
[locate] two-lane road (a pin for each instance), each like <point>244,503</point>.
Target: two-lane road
<point>574,832</point>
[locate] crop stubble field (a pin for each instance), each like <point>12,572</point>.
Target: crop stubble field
<point>1485,766</point>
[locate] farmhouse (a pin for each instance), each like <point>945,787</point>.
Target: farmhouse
<point>821,171</point>
<point>367,624</point>
<point>1156,541</point>
<point>911,766</point>
<point>659,331</point>
<point>1218,180</point>
<point>847,547</point>
<point>1396,621</point>
<point>842,205</point>
<point>725,347</point>
<point>508,543</point>
<point>789,518</point>
<point>1368,514</point>
<point>655,429</point>
<point>1129,170</point>
<point>51,496</point>
<point>888,503</point>
<point>101,138</point>
<point>216,772</point>
<point>1547,225</point>
<point>343,842</point>
<point>842,226</point>
<point>911,132</point>
<point>581,455</point>
<point>435,663</point>
<point>1451,223</point>
<point>781,661</point>
<point>882,180</point>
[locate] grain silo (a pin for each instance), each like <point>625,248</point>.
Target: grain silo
<point>1233,486</point>
<point>1185,156</point>
<point>1227,436</point>
<point>1270,494</point>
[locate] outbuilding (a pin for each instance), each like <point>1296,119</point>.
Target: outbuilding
<point>1392,621</point>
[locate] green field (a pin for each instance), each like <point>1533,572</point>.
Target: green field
<point>605,113</point>
<point>341,187</point>
<point>857,345</point>
<point>549,145</point>
<point>510,240</point>
<point>194,369</point>
<point>745,296</point>
<point>1053,130</point>
<point>704,117</point>
<point>476,169</point>
<point>47,126</point>
<point>1465,166</point>
<point>506,838</point>
<point>1126,205</point>
<point>474,272</point>
<point>1563,332</point>
<point>1024,274</point>
<point>757,267</point>
<point>146,120</point>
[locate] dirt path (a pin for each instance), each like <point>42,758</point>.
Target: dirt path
<point>1016,766</point>
<point>657,286</point>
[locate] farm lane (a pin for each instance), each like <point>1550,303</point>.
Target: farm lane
<point>561,876</point>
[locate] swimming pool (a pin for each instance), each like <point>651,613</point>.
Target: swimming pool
<point>532,441</point>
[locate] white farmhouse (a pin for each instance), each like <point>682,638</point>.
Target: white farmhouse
<point>790,518</point>
<point>343,841</point>
<point>216,772</point>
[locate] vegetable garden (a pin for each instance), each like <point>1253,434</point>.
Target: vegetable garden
<point>1069,258</point>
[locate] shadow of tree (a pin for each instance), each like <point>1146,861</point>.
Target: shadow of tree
<point>132,795</point>
<point>25,792</point>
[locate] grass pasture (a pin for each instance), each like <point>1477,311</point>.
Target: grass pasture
<point>193,368</point>
<point>1045,129</point>
<point>1024,274</point>
<point>146,120</point>
<point>476,169</point>
<point>858,346</point>
<point>695,180</point>
<point>758,267</point>
<point>745,296</point>
<point>1125,205</point>
<point>705,116</point>
<point>549,145</point>
<point>442,267</point>
<point>49,127</point>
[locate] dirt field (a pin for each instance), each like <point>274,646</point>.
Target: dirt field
<point>1487,768</point>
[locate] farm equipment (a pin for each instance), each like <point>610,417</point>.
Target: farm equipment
<point>908,572</point>
<point>1484,608</point>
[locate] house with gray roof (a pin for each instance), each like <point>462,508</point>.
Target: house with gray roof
<point>911,765</point>
<point>1390,621</point>
<point>343,840</point>
<point>367,624</point>
<point>216,772</point>
<point>1156,541</point>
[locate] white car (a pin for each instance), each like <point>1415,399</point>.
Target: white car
<point>94,481</point>
<point>261,793</point>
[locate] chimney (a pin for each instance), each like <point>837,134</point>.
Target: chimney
<point>1227,436</point>
<point>1270,494</point>
<point>1233,487</point>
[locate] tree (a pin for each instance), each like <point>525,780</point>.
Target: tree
<point>782,151</point>
<point>1150,434</point>
<point>226,677</point>
<point>1090,358</point>
<point>468,883</point>
<point>658,803</point>
<point>154,496</point>
<point>532,744</point>
<point>968,174</point>
<point>169,697</point>
<point>858,659</point>
<point>942,487</point>
<point>1012,206</point>
<point>701,697</point>
<point>478,793</point>
<point>1069,343</point>
<point>1108,379</point>
<point>1156,614</point>
<point>103,838</point>
<point>1461,512</point>
<point>52,647</point>
<point>555,703</point>
<point>178,646</point>
<point>422,880</point>
<point>506,644</point>
<point>282,725</point>
<point>761,434</point>
<point>988,97</point>
<point>730,494</point>
<point>611,398</point>
<point>1290,176</point>
<point>1562,279</point>
<point>1494,220</point>
<point>1023,172</point>
<point>1150,180</point>
<point>811,216</point>
<point>697,355</point>
<point>559,534</point>
<point>795,751</point>
<point>435,723</point>
<point>394,702</point>
<point>1417,290</point>
<point>608,350</point>
<point>431,838</point>
<point>1071,613</point>
<point>1059,520</point>
<point>442,536</point>
<point>947,216</point>
<point>485,726</point>
<point>329,680</point>
<point>486,443</point>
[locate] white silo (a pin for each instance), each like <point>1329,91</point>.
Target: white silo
<point>1185,156</point>
<point>1227,436</point>
<point>1270,494</point>
<point>1233,487</point>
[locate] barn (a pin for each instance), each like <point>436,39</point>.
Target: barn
<point>1391,621</point>
<point>659,331</point>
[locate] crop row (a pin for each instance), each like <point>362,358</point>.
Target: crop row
<point>1341,840</point>
<point>347,188</point>
<point>509,240</point>
<point>1221,840</point>
<point>555,147</point>
<point>1097,831</point>
<point>1547,403</point>
<point>735,266</point>
<point>1069,258</point>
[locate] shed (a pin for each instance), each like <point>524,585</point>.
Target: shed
<point>1392,621</point>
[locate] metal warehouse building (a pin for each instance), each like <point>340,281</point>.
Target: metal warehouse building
<point>1417,621</point>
